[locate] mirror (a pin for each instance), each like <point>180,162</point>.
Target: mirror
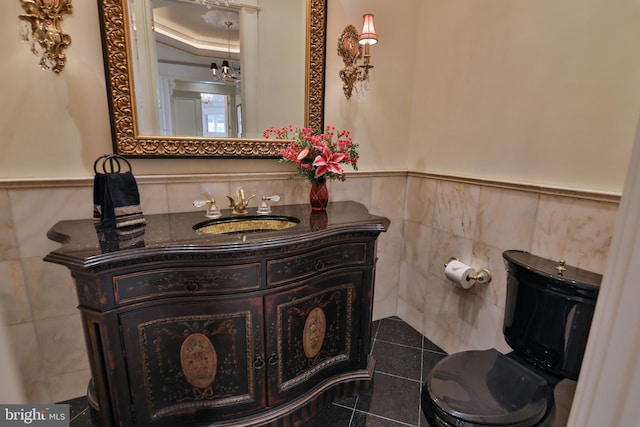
<point>132,137</point>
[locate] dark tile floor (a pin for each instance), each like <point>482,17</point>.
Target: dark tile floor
<point>403,359</point>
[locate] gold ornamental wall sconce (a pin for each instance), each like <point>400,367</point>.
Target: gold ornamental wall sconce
<point>350,49</point>
<point>41,29</point>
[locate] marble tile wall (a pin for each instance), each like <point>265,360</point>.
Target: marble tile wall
<point>38,300</point>
<point>476,223</point>
<point>431,220</point>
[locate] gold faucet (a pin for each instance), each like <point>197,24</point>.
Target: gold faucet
<point>239,204</point>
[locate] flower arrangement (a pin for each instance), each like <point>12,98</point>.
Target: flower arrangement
<point>318,156</point>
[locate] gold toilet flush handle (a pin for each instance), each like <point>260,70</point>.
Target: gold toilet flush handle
<point>560,268</point>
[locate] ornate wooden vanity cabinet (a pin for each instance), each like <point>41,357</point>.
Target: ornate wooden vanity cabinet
<point>184,328</point>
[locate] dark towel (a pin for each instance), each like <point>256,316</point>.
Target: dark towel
<point>116,239</point>
<point>116,201</point>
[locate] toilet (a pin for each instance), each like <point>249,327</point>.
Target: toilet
<point>548,312</point>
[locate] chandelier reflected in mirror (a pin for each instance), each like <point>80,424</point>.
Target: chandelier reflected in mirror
<point>211,3</point>
<point>226,73</point>
<point>207,98</point>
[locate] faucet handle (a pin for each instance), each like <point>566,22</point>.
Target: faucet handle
<point>201,203</point>
<point>212,210</point>
<point>264,207</point>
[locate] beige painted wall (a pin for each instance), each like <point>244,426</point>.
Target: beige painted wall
<point>538,92</point>
<point>57,125</point>
<point>52,125</point>
<point>534,91</point>
<point>380,118</point>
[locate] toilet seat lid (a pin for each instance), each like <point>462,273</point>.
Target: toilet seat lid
<point>487,387</point>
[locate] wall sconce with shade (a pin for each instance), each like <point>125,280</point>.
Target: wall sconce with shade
<point>350,49</point>
<point>41,29</point>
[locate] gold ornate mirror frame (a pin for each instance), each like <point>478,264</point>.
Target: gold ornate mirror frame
<point>118,66</point>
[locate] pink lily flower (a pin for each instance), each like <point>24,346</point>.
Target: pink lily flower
<point>328,162</point>
<point>304,153</point>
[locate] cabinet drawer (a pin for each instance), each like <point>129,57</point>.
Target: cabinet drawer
<point>187,281</point>
<point>305,264</point>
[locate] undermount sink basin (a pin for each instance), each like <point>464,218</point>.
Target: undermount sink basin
<point>246,224</point>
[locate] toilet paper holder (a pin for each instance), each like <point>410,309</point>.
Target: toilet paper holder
<point>481,276</point>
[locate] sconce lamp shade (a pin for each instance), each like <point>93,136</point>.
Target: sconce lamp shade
<point>214,69</point>
<point>368,35</point>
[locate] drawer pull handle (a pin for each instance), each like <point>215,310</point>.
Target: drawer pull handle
<point>319,265</point>
<point>191,286</point>
<point>259,363</point>
<point>273,359</point>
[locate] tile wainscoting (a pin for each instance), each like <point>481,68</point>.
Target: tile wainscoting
<point>476,221</point>
<point>432,218</point>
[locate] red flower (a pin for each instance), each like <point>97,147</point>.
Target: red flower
<point>304,153</point>
<point>317,154</point>
<point>328,162</point>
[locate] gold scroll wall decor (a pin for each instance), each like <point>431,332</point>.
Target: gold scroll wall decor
<point>41,28</point>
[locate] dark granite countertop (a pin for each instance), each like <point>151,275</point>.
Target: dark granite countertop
<point>165,235</point>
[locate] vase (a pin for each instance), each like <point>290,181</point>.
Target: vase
<point>319,195</point>
<point>318,220</point>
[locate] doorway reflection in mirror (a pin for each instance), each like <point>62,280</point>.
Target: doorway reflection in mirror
<point>174,44</point>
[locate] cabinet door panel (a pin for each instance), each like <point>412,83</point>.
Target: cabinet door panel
<point>313,332</point>
<point>183,357</point>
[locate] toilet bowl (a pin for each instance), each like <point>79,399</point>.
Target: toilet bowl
<point>548,312</point>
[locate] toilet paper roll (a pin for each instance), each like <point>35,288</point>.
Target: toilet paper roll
<point>460,274</point>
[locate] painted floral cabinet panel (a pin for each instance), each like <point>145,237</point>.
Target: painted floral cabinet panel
<point>313,333</point>
<point>205,357</point>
